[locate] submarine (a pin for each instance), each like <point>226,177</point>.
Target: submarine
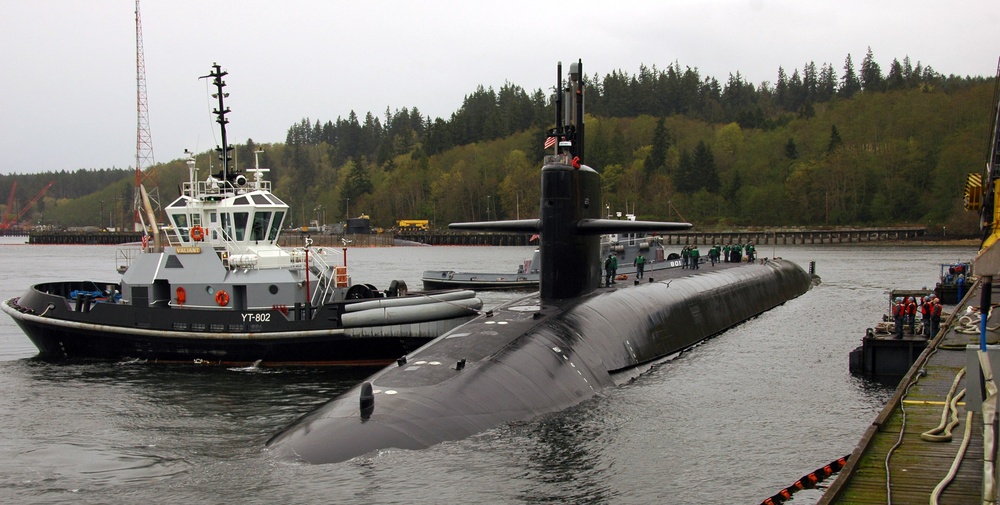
<point>551,349</point>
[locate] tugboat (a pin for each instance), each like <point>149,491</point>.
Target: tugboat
<point>215,287</point>
<point>526,278</point>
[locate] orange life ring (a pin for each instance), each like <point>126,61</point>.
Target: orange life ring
<point>222,298</point>
<point>181,296</point>
<point>197,233</point>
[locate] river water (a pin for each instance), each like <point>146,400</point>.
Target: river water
<point>732,420</point>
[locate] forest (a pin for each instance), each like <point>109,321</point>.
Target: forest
<point>818,147</point>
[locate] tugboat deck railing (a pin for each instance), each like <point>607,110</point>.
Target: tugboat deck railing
<point>213,188</point>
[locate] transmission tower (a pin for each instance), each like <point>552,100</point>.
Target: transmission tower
<point>144,171</point>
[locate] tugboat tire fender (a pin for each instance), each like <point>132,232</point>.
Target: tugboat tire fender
<point>358,292</point>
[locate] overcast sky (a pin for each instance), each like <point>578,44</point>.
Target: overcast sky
<point>69,87</point>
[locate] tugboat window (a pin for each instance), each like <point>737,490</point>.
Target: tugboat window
<point>240,223</point>
<point>276,226</point>
<point>273,289</point>
<point>181,224</point>
<point>260,222</point>
<point>227,226</point>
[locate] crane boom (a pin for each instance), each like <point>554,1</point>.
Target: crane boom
<point>33,201</point>
<point>8,217</point>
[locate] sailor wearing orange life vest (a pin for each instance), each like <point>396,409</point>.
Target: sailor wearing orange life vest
<point>911,314</point>
<point>898,314</point>
<point>935,316</point>
<point>925,315</point>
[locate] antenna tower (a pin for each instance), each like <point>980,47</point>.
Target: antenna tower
<point>143,143</point>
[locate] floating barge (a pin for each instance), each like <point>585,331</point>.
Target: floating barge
<point>880,355</point>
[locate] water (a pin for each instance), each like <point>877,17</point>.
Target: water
<point>731,421</point>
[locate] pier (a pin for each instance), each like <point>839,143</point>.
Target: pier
<point>467,238</point>
<point>796,236</point>
<point>894,440</point>
<point>348,240</point>
<point>759,237</point>
<point>96,238</point>
<point>446,237</point>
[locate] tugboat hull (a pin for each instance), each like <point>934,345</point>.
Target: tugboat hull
<point>447,279</point>
<point>362,332</point>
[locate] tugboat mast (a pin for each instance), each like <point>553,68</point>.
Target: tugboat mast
<point>225,149</point>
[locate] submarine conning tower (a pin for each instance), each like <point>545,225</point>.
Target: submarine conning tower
<point>570,260</point>
<point>569,224</point>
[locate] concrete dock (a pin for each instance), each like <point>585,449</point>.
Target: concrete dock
<point>893,463</point>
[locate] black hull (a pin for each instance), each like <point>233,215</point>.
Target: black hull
<point>57,344</point>
<point>332,334</point>
<point>532,357</point>
<point>496,282</point>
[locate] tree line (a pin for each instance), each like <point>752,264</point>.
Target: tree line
<point>817,147</point>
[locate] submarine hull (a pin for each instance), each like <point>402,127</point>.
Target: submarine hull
<point>534,356</point>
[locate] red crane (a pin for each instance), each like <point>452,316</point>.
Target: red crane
<point>8,216</point>
<point>9,219</point>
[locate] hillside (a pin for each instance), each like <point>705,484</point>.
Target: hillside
<point>670,145</point>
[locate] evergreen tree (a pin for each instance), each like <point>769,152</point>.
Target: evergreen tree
<point>732,189</point>
<point>704,167</point>
<point>686,178</point>
<point>796,91</point>
<point>657,159</point>
<point>807,111</point>
<point>352,138</point>
<point>358,183</point>
<point>781,89</point>
<point>826,88</point>
<point>835,140</point>
<point>810,82</point>
<point>849,83</point>
<point>791,151</point>
<point>871,73</point>
<point>897,77</point>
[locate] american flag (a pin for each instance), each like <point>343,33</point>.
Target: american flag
<point>549,142</point>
